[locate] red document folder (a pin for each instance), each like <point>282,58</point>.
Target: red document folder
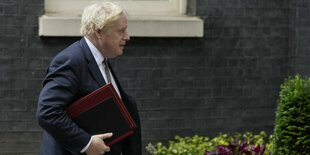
<point>102,111</point>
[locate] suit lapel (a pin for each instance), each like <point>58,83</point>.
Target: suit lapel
<point>121,91</point>
<point>92,65</point>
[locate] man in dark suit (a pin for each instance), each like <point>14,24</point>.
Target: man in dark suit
<point>77,71</point>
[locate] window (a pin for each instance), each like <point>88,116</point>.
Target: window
<point>147,18</point>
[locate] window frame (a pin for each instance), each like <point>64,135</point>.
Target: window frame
<point>75,7</point>
<point>60,20</point>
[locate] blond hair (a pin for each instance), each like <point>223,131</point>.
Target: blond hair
<point>99,16</point>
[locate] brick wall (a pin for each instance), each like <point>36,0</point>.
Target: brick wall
<point>21,71</point>
<point>299,37</point>
<point>227,81</point>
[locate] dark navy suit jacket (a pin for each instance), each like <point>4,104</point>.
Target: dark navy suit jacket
<point>72,74</point>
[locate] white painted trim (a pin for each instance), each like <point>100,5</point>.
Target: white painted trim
<point>75,7</point>
<point>138,26</point>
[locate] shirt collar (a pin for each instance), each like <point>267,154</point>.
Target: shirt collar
<point>96,53</point>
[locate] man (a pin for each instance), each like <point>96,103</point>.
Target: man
<point>77,71</point>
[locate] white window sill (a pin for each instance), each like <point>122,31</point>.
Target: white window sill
<point>138,26</point>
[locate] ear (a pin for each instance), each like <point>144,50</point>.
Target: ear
<point>99,34</point>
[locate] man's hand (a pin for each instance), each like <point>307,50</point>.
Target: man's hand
<point>97,145</point>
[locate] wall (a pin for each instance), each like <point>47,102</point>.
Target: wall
<point>299,37</point>
<point>21,71</point>
<point>227,81</point>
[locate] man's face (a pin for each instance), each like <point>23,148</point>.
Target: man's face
<point>113,41</point>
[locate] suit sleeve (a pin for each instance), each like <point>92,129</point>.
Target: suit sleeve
<point>59,89</point>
